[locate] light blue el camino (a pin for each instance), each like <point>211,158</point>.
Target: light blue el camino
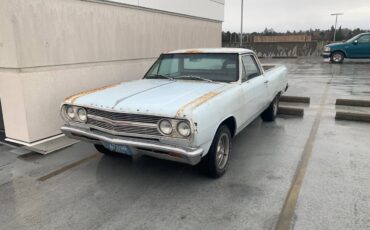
<point>187,108</point>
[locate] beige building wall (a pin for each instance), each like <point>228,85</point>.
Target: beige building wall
<point>50,49</point>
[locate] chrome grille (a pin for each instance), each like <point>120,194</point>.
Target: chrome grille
<point>123,123</point>
<point>124,116</point>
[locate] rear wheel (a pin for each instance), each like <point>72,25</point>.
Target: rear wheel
<point>337,57</point>
<point>216,161</point>
<point>271,112</point>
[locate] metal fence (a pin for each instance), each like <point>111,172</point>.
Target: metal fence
<point>283,38</point>
<point>283,49</point>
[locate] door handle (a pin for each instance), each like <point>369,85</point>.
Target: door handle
<point>266,81</point>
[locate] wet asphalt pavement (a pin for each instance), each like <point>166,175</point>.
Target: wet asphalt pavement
<point>311,172</point>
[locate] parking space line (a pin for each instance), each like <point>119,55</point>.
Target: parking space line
<point>287,212</point>
<point>67,167</point>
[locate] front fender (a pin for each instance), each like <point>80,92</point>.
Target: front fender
<point>210,115</point>
<point>340,49</point>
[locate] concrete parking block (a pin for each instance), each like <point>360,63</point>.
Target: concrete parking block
<point>291,111</point>
<point>295,99</point>
<point>351,102</point>
<point>351,116</point>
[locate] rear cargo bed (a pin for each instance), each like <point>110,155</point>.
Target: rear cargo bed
<point>268,67</point>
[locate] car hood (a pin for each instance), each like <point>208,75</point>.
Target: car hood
<point>336,44</point>
<point>150,96</point>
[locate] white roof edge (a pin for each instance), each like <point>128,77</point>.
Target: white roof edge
<point>213,50</point>
<point>203,9</point>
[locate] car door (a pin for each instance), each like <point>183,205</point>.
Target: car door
<point>253,87</point>
<point>364,42</point>
<point>360,48</point>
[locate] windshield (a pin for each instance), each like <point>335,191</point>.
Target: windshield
<point>200,66</point>
<point>353,39</point>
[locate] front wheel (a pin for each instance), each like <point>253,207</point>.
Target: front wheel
<point>337,57</point>
<point>271,112</point>
<point>215,162</point>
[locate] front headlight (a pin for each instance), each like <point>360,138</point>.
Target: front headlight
<point>165,127</point>
<point>74,113</point>
<point>183,128</point>
<point>326,49</point>
<point>175,128</point>
<point>82,114</point>
<point>70,112</point>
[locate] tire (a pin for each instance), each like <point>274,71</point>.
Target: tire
<point>215,163</point>
<point>107,152</point>
<point>337,58</point>
<point>271,112</point>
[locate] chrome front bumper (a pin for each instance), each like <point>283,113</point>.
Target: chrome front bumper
<point>156,149</point>
<point>326,54</point>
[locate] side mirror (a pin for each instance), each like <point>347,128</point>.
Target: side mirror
<point>355,42</point>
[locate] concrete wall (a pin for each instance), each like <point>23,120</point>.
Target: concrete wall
<point>12,102</point>
<point>283,49</point>
<point>8,54</point>
<point>50,49</point>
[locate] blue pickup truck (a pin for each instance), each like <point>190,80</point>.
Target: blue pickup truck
<point>356,48</point>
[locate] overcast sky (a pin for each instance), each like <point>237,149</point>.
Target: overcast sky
<point>282,15</point>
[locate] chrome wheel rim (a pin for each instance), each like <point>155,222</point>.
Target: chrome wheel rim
<point>337,57</point>
<point>222,150</point>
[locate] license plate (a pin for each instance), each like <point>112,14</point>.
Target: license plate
<point>124,149</point>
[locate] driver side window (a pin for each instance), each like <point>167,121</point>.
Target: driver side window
<point>250,68</point>
<point>364,39</point>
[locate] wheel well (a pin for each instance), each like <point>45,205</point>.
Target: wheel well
<point>339,51</point>
<point>231,124</point>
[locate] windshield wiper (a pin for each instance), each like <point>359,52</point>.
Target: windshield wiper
<point>194,77</point>
<point>160,76</point>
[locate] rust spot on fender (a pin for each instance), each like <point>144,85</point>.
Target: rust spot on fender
<point>73,98</point>
<point>197,102</point>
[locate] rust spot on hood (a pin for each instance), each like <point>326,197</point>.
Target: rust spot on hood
<point>197,102</point>
<point>73,98</point>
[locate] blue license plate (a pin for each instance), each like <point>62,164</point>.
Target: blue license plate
<point>124,149</point>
